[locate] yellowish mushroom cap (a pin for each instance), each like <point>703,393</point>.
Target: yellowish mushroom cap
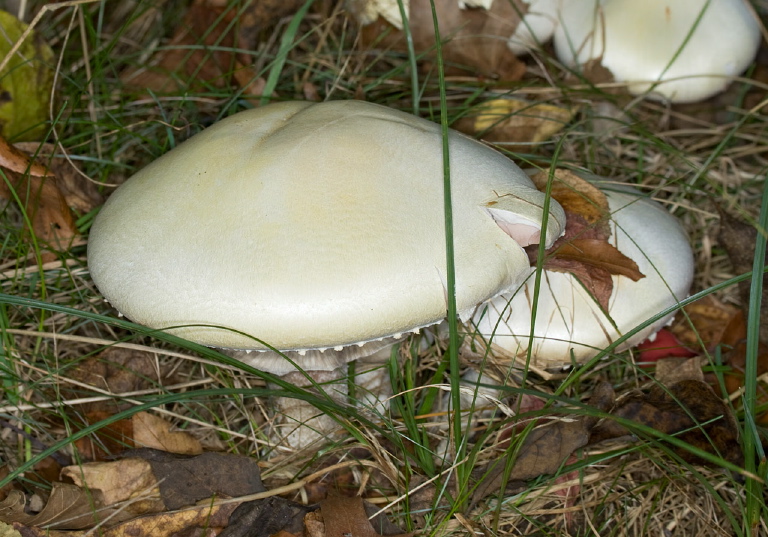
<point>312,226</point>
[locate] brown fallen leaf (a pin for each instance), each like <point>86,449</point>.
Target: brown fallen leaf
<point>545,449</point>
<point>272,516</point>
<point>734,379</point>
<point>202,51</point>
<point>710,322</point>
<point>154,432</point>
<point>185,480</point>
<point>343,517</point>
<point>689,409</point>
<point>16,160</point>
<point>143,430</point>
<point>515,121</point>
<point>171,524</point>
<point>117,371</point>
<point>584,250</point>
<point>474,40</point>
<point>106,441</point>
<point>738,238</point>
<point>718,324</point>
<point>68,507</point>
<point>669,371</point>
<point>128,480</point>
<point>81,193</point>
<point>36,189</point>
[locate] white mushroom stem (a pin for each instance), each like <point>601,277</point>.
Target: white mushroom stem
<point>299,423</point>
<point>537,26</point>
<point>478,393</point>
<point>478,397</point>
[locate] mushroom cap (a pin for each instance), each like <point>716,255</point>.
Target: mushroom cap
<point>312,226</point>
<point>568,319</point>
<point>537,26</point>
<point>645,41</point>
<point>367,11</point>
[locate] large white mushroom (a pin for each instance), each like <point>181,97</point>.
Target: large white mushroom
<point>316,229</point>
<point>570,325</point>
<point>683,50</point>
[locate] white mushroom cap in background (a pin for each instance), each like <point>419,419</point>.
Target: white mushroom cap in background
<point>568,319</point>
<point>676,41</point>
<point>537,27</point>
<point>312,226</point>
<point>367,11</point>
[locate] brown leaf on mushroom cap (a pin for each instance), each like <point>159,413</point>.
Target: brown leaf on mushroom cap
<point>475,40</point>
<point>599,254</point>
<point>596,280</point>
<point>578,196</point>
<point>584,250</point>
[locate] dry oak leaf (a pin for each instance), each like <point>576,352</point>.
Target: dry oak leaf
<point>474,40</point>
<point>515,121</point>
<point>583,250</point>
<point>545,449</point>
<point>346,517</point>
<point>185,480</point>
<point>171,524</point>
<point>68,507</point>
<point>153,432</point>
<point>37,190</point>
<point>202,50</point>
<point>690,410</point>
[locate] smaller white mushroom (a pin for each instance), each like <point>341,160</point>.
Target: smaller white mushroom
<point>570,325</point>
<point>537,27</point>
<point>682,50</point>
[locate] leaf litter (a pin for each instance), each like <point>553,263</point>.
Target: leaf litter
<point>36,188</point>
